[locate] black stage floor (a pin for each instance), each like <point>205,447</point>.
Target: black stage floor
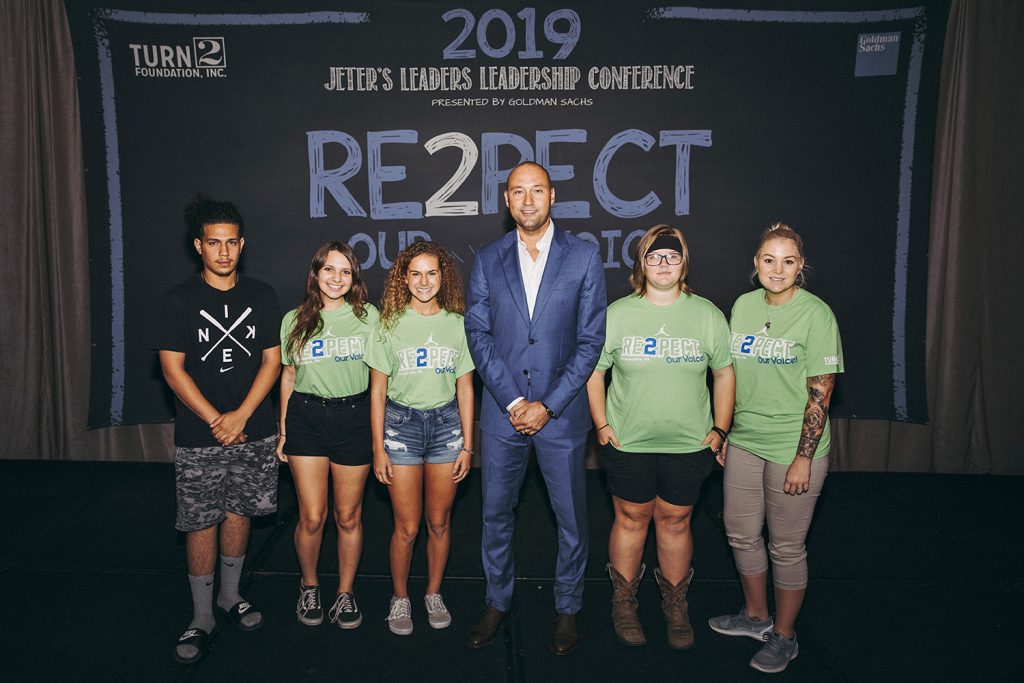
<point>913,578</point>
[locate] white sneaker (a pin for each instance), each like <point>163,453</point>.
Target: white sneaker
<point>400,616</point>
<point>437,614</point>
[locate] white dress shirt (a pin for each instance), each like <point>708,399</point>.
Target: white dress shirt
<point>533,272</point>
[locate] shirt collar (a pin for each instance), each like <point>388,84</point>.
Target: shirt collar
<point>544,242</point>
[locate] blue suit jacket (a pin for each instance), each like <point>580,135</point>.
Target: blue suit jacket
<point>550,357</point>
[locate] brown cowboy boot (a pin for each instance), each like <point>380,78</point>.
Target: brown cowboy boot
<point>676,611</point>
<point>627,625</point>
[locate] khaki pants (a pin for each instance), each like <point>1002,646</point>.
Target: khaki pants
<point>753,493</point>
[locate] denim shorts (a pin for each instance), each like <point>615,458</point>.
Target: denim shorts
<point>338,428</point>
<point>417,437</point>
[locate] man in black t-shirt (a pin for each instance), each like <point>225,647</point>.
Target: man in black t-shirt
<point>217,334</point>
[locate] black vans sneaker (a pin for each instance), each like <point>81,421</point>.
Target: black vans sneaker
<point>309,610</point>
<point>345,612</point>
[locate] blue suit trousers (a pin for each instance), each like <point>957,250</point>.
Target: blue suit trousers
<point>562,462</point>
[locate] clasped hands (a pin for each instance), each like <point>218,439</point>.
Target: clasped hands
<point>528,417</point>
<point>228,428</point>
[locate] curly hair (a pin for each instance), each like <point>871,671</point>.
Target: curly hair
<point>203,210</point>
<point>396,296</point>
<point>782,231</point>
<point>308,322</point>
<point>638,278</point>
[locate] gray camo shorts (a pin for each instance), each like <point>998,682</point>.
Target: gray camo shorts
<point>214,480</point>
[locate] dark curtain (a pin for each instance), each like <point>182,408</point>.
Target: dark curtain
<point>44,262</point>
<point>974,371</point>
<point>976,257</point>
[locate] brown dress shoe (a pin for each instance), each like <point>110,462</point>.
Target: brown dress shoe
<point>486,628</point>
<point>567,634</point>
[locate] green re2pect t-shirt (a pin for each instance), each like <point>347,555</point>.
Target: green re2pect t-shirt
<point>422,356</point>
<point>331,363</point>
<point>658,399</point>
<point>772,364</point>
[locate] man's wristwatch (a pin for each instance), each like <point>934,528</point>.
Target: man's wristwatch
<point>551,413</point>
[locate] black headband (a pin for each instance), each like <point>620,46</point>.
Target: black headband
<point>665,240</point>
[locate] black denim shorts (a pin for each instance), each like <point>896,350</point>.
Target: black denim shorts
<point>338,428</point>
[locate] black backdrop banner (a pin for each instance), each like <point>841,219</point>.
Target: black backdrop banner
<point>388,122</point>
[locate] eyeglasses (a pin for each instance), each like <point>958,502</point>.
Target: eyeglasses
<point>673,259</point>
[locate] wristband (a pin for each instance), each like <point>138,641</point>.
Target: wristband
<point>466,449</point>
<point>606,424</point>
<point>721,432</point>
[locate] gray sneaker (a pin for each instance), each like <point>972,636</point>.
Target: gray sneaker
<point>776,654</point>
<point>742,625</point>
<point>437,614</point>
<point>400,616</point>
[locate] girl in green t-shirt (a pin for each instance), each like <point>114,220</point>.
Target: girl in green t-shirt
<point>786,351</point>
<point>654,425</point>
<point>421,405</point>
<point>325,422</point>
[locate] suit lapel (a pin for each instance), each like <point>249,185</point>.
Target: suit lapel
<point>556,257</point>
<point>510,264</point>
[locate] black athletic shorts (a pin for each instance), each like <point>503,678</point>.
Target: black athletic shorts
<point>676,478</point>
<point>336,427</point>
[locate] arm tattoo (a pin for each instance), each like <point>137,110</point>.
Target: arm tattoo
<point>819,393</point>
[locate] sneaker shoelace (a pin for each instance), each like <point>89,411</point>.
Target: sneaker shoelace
<point>775,645</point>
<point>741,620</point>
<point>400,609</point>
<point>435,603</point>
<point>310,599</point>
<point>345,603</point>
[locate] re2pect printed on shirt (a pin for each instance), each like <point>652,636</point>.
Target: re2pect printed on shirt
<point>423,356</point>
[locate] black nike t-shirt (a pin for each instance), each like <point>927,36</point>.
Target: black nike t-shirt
<point>223,335</point>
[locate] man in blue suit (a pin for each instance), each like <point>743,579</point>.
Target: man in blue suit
<point>535,323</point>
